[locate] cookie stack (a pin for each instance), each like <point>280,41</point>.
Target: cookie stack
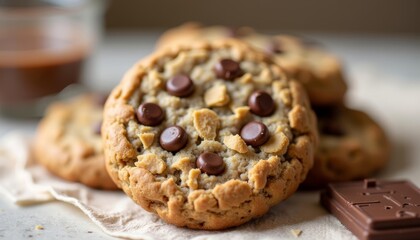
<point>216,126</point>
<point>351,144</point>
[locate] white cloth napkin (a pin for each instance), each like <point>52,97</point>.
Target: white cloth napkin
<point>26,183</point>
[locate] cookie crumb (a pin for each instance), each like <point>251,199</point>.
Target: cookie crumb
<point>296,232</point>
<point>39,227</point>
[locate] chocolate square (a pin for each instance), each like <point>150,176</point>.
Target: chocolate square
<point>374,209</point>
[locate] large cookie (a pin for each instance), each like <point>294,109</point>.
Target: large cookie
<point>319,71</point>
<point>351,146</point>
<point>208,136</point>
<point>68,141</point>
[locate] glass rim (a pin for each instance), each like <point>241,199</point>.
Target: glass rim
<point>50,8</point>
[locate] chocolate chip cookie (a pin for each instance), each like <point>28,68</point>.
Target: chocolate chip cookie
<point>68,141</point>
<point>352,146</point>
<point>319,71</point>
<point>208,136</point>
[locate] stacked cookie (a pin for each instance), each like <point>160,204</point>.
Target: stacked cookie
<point>68,141</point>
<point>208,135</point>
<point>215,127</point>
<point>352,145</point>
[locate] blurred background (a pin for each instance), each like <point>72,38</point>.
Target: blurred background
<point>364,34</point>
<point>96,41</point>
<point>374,16</point>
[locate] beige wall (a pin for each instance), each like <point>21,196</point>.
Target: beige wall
<point>300,15</point>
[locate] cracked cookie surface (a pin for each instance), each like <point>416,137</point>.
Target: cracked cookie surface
<point>319,71</point>
<point>199,167</point>
<point>68,141</point>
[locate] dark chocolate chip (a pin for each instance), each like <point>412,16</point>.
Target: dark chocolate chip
<point>210,163</point>
<point>275,47</point>
<point>150,114</point>
<point>261,103</point>
<point>228,69</point>
<point>180,86</point>
<point>255,133</point>
<point>173,138</point>
<point>97,127</point>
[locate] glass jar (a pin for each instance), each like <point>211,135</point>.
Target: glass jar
<point>44,48</point>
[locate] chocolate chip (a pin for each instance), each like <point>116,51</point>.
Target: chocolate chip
<point>150,114</point>
<point>173,138</point>
<point>261,103</point>
<point>180,86</point>
<point>255,133</point>
<point>228,69</point>
<point>97,127</point>
<point>275,47</point>
<point>210,163</point>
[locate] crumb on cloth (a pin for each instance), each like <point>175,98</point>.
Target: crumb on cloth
<point>39,227</point>
<point>296,232</point>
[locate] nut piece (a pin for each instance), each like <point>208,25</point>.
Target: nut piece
<point>277,144</point>
<point>246,78</point>
<point>147,139</point>
<point>236,143</point>
<point>264,77</point>
<point>206,122</point>
<point>184,164</point>
<point>192,178</point>
<point>216,96</point>
<point>241,112</point>
<point>151,162</point>
<point>152,82</point>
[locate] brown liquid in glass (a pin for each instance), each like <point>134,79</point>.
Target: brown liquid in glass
<point>33,65</point>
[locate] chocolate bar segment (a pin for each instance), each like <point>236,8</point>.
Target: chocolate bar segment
<point>374,209</point>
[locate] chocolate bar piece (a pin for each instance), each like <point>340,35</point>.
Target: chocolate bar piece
<point>375,209</point>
